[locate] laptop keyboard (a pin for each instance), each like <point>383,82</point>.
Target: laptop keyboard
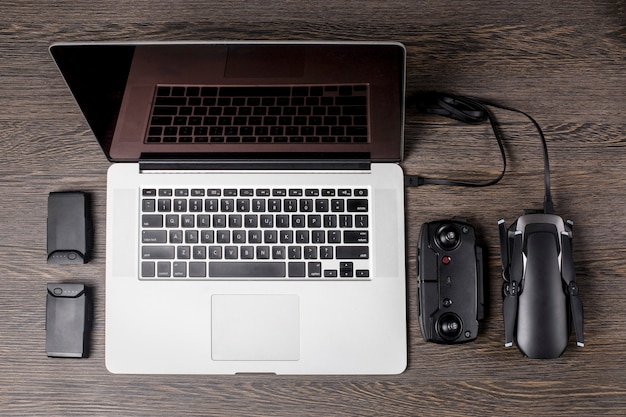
<point>262,233</point>
<point>259,114</point>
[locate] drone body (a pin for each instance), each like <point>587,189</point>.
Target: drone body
<point>540,291</point>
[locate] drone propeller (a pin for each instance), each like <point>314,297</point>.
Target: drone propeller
<point>504,249</point>
<point>569,276</point>
<point>512,289</point>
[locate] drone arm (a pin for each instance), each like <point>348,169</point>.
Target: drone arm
<point>504,249</point>
<point>512,289</point>
<point>569,277</point>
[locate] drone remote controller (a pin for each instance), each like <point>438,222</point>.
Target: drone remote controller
<point>450,282</point>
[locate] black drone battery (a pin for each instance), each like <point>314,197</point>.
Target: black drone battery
<point>68,321</point>
<point>69,228</point>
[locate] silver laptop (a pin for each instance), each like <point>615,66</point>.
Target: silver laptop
<point>255,205</point>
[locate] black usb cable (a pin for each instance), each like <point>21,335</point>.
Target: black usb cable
<point>473,110</point>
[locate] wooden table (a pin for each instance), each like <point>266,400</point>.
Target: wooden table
<point>563,62</point>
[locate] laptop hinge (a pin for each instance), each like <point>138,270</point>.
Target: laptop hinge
<point>158,163</point>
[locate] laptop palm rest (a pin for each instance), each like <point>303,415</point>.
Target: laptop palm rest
<point>253,327</point>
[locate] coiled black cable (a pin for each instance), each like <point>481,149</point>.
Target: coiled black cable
<point>473,110</point>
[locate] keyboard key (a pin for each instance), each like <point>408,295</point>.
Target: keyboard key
<point>357,205</point>
<point>227,205</point>
<point>172,220</point>
<point>147,269</point>
<point>302,236</point>
<point>206,236</point>
<point>161,121</point>
<point>345,221</point>
<point>239,236</point>
<point>361,221</point>
<point>336,205</point>
<point>310,252</point>
<point>197,192</point>
<point>152,220</point>
<point>258,205</point>
<point>330,221</point>
<point>294,252</point>
<point>199,252</point>
<point>314,269</point>
<point>262,252</point>
<point>204,221</point>
<point>270,236</point>
<point>314,221</point>
<point>282,221</point>
<point>235,221</point>
<point>352,252</point>
<point>278,252</point>
<point>267,220</point>
<point>231,252</point>
<point>163,269</point>
<point>361,236</point>
<point>321,205</point>
<point>180,205</point>
<point>334,236</point>
<point>164,205</point>
<point>157,252</point>
<point>148,205</point>
<point>197,269</point>
<point>153,236</point>
<point>191,236</point>
<point>183,252</point>
<point>179,269</point>
<point>247,269</point>
<point>318,236</point>
<point>176,236</point>
<point>187,220</point>
<point>215,252</point>
<point>223,236</point>
<point>247,252</point>
<point>346,269</point>
<point>219,220</point>
<point>290,205</point>
<point>211,205</point>
<point>255,236</point>
<point>297,270</point>
<point>298,221</point>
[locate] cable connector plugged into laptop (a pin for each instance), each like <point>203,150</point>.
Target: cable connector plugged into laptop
<point>413,181</point>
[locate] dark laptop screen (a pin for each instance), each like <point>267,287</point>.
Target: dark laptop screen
<point>165,100</point>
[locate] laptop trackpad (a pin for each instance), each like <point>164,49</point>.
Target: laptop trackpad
<point>255,327</point>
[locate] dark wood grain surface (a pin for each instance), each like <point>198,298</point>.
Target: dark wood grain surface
<point>563,62</point>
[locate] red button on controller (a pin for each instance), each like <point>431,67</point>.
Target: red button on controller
<point>446,260</point>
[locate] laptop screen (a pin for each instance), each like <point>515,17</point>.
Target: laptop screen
<point>197,100</point>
